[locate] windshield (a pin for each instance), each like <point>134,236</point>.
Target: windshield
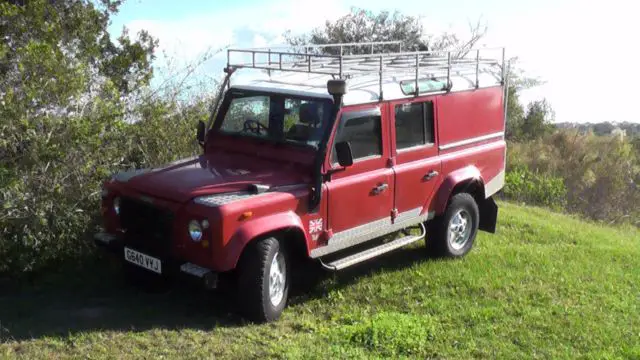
<point>276,117</point>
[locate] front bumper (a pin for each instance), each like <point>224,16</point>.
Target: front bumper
<point>116,244</point>
<point>109,241</point>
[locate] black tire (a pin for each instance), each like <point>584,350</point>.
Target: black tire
<point>254,269</point>
<point>439,240</point>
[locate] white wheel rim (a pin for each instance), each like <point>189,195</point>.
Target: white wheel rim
<point>459,229</point>
<point>276,279</point>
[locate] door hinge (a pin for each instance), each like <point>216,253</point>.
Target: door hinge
<point>394,214</point>
<point>391,162</point>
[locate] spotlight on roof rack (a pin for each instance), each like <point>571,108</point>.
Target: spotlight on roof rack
<point>337,87</point>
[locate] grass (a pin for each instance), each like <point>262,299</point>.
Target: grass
<point>545,286</point>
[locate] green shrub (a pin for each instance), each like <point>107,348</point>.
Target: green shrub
<point>535,188</point>
<point>601,174</point>
<point>50,188</point>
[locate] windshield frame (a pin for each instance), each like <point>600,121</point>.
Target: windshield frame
<point>230,95</point>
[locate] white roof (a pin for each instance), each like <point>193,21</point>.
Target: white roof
<point>360,90</point>
<point>377,73</point>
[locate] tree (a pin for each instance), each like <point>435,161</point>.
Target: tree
<point>53,52</point>
<point>64,83</point>
<point>365,26</point>
<point>537,122</point>
<point>516,116</point>
<point>603,128</point>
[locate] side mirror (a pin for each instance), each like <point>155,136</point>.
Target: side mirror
<point>343,153</point>
<point>201,131</point>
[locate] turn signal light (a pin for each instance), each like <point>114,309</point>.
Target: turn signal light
<point>245,215</point>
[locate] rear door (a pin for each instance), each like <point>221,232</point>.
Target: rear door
<point>417,166</point>
<point>360,197</point>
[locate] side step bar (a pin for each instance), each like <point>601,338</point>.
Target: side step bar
<point>373,252</point>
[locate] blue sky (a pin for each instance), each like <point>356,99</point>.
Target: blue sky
<point>582,49</point>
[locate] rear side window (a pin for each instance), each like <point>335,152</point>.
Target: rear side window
<point>414,124</point>
<point>363,134</point>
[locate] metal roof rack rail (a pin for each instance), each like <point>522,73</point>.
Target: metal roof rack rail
<point>381,58</point>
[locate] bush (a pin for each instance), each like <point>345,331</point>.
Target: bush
<point>50,192</point>
<point>601,174</point>
<point>535,188</point>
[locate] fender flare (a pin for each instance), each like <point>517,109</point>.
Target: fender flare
<point>255,228</point>
<point>447,186</point>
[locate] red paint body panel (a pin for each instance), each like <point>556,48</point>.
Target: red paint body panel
<point>231,164</point>
<point>470,114</point>
<point>351,197</point>
<point>411,165</point>
<point>216,173</point>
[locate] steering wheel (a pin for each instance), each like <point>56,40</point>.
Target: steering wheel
<point>254,126</point>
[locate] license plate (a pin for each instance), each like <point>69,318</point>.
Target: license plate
<point>143,260</point>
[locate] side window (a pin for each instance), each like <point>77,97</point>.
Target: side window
<point>363,134</point>
<point>414,124</point>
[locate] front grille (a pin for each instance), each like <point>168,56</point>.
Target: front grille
<point>147,227</point>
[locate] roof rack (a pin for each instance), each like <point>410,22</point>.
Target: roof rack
<point>381,58</point>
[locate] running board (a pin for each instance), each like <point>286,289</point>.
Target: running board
<point>373,252</point>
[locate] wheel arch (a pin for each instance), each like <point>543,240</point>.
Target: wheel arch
<point>286,226</point>
<point>468,180</point>
<point>461,180</point>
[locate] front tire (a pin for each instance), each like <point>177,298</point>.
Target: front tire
<point>263,280</point>
<point>452,234</point>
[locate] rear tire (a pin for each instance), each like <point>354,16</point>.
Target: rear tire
<point>452,234</point>
<point>263,280</point>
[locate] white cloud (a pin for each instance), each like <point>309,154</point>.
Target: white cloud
<point>583,49</point>
<point>185,41</point>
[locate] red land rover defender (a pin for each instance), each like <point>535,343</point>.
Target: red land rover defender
<point>326,148</point>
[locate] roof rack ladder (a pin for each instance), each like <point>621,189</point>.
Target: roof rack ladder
<point>449,85</point>
<point>477,68</point>
<point>417,91</point>
<point>340,68</point>
<point>380,79</point>
<point>503,66</point>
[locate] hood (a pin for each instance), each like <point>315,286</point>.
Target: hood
<point>205,175</point>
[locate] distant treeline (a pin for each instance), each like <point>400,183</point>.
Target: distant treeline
<point>603,128</point>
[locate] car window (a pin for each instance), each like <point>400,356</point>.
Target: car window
<point>276,117</point>
<point>304,120</point>
<point>414,124</point>
<point>248,114</point>
<point>363,134</point>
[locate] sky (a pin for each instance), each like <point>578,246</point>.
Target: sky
<point>582,50</point>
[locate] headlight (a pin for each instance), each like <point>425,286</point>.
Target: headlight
<point>195,231</point>
<point>116,205</point>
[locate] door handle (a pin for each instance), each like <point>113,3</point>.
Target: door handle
<point>430,175</point>
<point>380,188</point>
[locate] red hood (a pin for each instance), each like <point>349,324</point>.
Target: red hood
<point>207,174</point>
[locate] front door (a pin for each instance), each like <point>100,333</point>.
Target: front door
<point>417,165</point>
<point>360,197</point>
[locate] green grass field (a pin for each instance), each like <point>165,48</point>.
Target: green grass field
<point>545,286</point>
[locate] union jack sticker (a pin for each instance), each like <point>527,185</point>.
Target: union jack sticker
<point>315,226</point>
